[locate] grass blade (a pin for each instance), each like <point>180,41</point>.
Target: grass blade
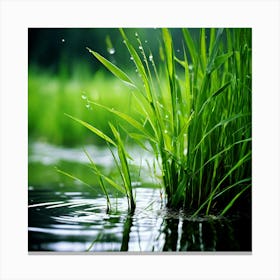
<point>111,67</point>
<point>234,199</point>
<point>100,179</point>
<point>94,130</point>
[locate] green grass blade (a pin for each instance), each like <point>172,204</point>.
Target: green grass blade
<point>71,176</point>
<point>221,89</point>
<point>94,130</point>
<point>237,165</point>
<point>213,193</point>
<point>168,51</point>
<point>100,179</point>
<point>203,55</point>
<point>220,60</point>
<point>179,195</point>
<point>234,199</point>
<point>139,65</point>
<point>112,68</point>
<point>221,123</point>
<point>236,184</point>
<point>123,158</point>
<point>190,45</point>
<point>217,92</point>
<point>210,65</point>
<point>124,168</point>
<point>110,181</point>
<point>128,119</point>
<point>218,154</point>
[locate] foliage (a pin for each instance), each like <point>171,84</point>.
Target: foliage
<point>194,113</point>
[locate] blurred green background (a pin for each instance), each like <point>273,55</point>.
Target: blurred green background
<point>63,76</point>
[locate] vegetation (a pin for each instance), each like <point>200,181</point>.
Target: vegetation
<point>193,113</point>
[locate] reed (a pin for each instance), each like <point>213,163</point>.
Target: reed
<point>194,114</point>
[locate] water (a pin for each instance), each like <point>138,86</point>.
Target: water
<point>65,216</point>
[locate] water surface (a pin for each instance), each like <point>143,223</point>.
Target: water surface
<point>65,216</point>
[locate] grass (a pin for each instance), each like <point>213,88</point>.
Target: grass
<point>194,113</point>
<point>121,164</point>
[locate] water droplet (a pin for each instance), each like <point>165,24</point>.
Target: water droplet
<point>146,41</point>
<point>165,131</point>
<point>84,96</point>
<point>88,106</point>
<point>140,48</point>
<point>111,50</point>
<point>166,116</point>
<point>136,34</point>
<point>185,134</point>
<point>63,40</point>
<point>190,67</point>
<point>178,51</point>
<point>151,57</point>
<point>131,58</point>
<point>136,70</point>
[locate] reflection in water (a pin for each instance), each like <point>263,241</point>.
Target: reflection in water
<point>80,226</point>
<point>171,235</point>
<point>126,232</point>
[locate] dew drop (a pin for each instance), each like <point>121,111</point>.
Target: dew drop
<point>178,51</point>
<point>166,116</point>
<point>84,96</point>
<point>111,50</point>
<point>151,57</point>
<point>165,131</point>
<point>131,58</point>
<point>136,34</point>
<point>146,41</point>
<point>88,106</point>
<point>63,40</point>
<point>140,48</point>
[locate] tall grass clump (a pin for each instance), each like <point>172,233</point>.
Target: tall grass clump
<point>194,114</point>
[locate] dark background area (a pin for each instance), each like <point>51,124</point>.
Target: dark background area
<point>56,48</point>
